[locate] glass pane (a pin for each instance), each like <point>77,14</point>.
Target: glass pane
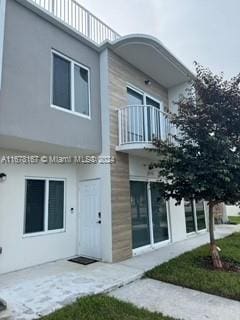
<point>34,216</point>
<point>140,217</point>
<point>81,90</point>
<point>135,116</point>
<point>134,98</point>
<point>159,214</point>
<point>189,216</point>
<point>55,205</point>
<point>151,102</point>
<point>150,119</point>
<point>61,82</point>
<point>201,223</point>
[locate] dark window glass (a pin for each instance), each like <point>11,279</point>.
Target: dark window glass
<point>134,98</point>
<point>61,82</point>
<point>34,216</point>
<point>55,205</point>
<point>140,216</point>
<point>151,102</point>
<point>81,90</point>
<point>189,216</point>
<point>159,214</point>
<point>135,116</point>
<point>201,223</point>
<point>152,118</point>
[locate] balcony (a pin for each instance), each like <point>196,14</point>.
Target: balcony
<point>75,16</point>
<point>139,125</point>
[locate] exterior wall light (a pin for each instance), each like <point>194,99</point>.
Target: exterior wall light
<point>3,305</point>
<point>3,177</point>
<point>148,82</point>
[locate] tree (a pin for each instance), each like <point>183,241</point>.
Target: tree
<point>202,161</point>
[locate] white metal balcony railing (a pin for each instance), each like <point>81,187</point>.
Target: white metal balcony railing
<point>79,18</point>
<point>140,124</point>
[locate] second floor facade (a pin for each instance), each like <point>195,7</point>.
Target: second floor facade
<point>58,81</point>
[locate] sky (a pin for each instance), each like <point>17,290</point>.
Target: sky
<point>206,31</point>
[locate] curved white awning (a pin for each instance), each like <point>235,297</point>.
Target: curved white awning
<point>149,55</point>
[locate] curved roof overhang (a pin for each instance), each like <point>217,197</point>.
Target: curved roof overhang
<point>144,52</point>
<point>150,56</point>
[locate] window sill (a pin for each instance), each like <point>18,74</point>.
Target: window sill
<point>71,112</point>
<point>202,231</point>
<point>150,247</point>
<point>196,233</point>
<point>43,233</point>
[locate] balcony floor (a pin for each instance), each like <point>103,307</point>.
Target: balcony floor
<point>144,150</point>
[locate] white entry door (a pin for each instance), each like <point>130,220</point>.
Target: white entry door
<point>90,219</point>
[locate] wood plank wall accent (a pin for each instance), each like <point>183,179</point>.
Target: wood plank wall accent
<point>122,74</point>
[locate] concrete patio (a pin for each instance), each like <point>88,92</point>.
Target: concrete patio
<point>37,291</point>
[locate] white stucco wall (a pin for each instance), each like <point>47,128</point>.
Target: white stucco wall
<point>177,221</point>
<point>233,211</point>
<point>174,94</point>
<point>102,171</point>
<point>2,24</point>
<point>138,170</point>
<point>19,251</point>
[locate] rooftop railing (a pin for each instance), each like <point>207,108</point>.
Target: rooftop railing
<point>77,17</point>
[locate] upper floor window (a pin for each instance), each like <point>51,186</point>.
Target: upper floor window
<point>71,86</point>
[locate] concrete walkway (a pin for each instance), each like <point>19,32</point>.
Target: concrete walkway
<point>37,291</point>
<point>178,302</point>
<point>149,260</point>
<point>40,290</point>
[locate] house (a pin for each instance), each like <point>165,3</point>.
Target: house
<point>232,210</point>
<point>79,106</point>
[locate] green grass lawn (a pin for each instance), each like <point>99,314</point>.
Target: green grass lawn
<point>234,219</point>
<point>102,307</point>
<point>188,270</point>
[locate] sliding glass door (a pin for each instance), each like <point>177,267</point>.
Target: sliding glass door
<point>200,213</point>
<point>159,214</point>
<point>189,216</point>
<point>135,116</point>
<point>149,214</point>
<point>144,122</point>
<point>140,216</point>
<point>153,119</point>
<point>194,216</point>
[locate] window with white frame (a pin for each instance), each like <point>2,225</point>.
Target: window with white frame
<point>195,218</point>
<point>70,85</point>
<point>44,205</point>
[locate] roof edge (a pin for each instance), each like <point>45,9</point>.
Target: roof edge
<point>151,41</point>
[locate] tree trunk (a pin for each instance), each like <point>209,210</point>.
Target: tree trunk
<point>216,260</point>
